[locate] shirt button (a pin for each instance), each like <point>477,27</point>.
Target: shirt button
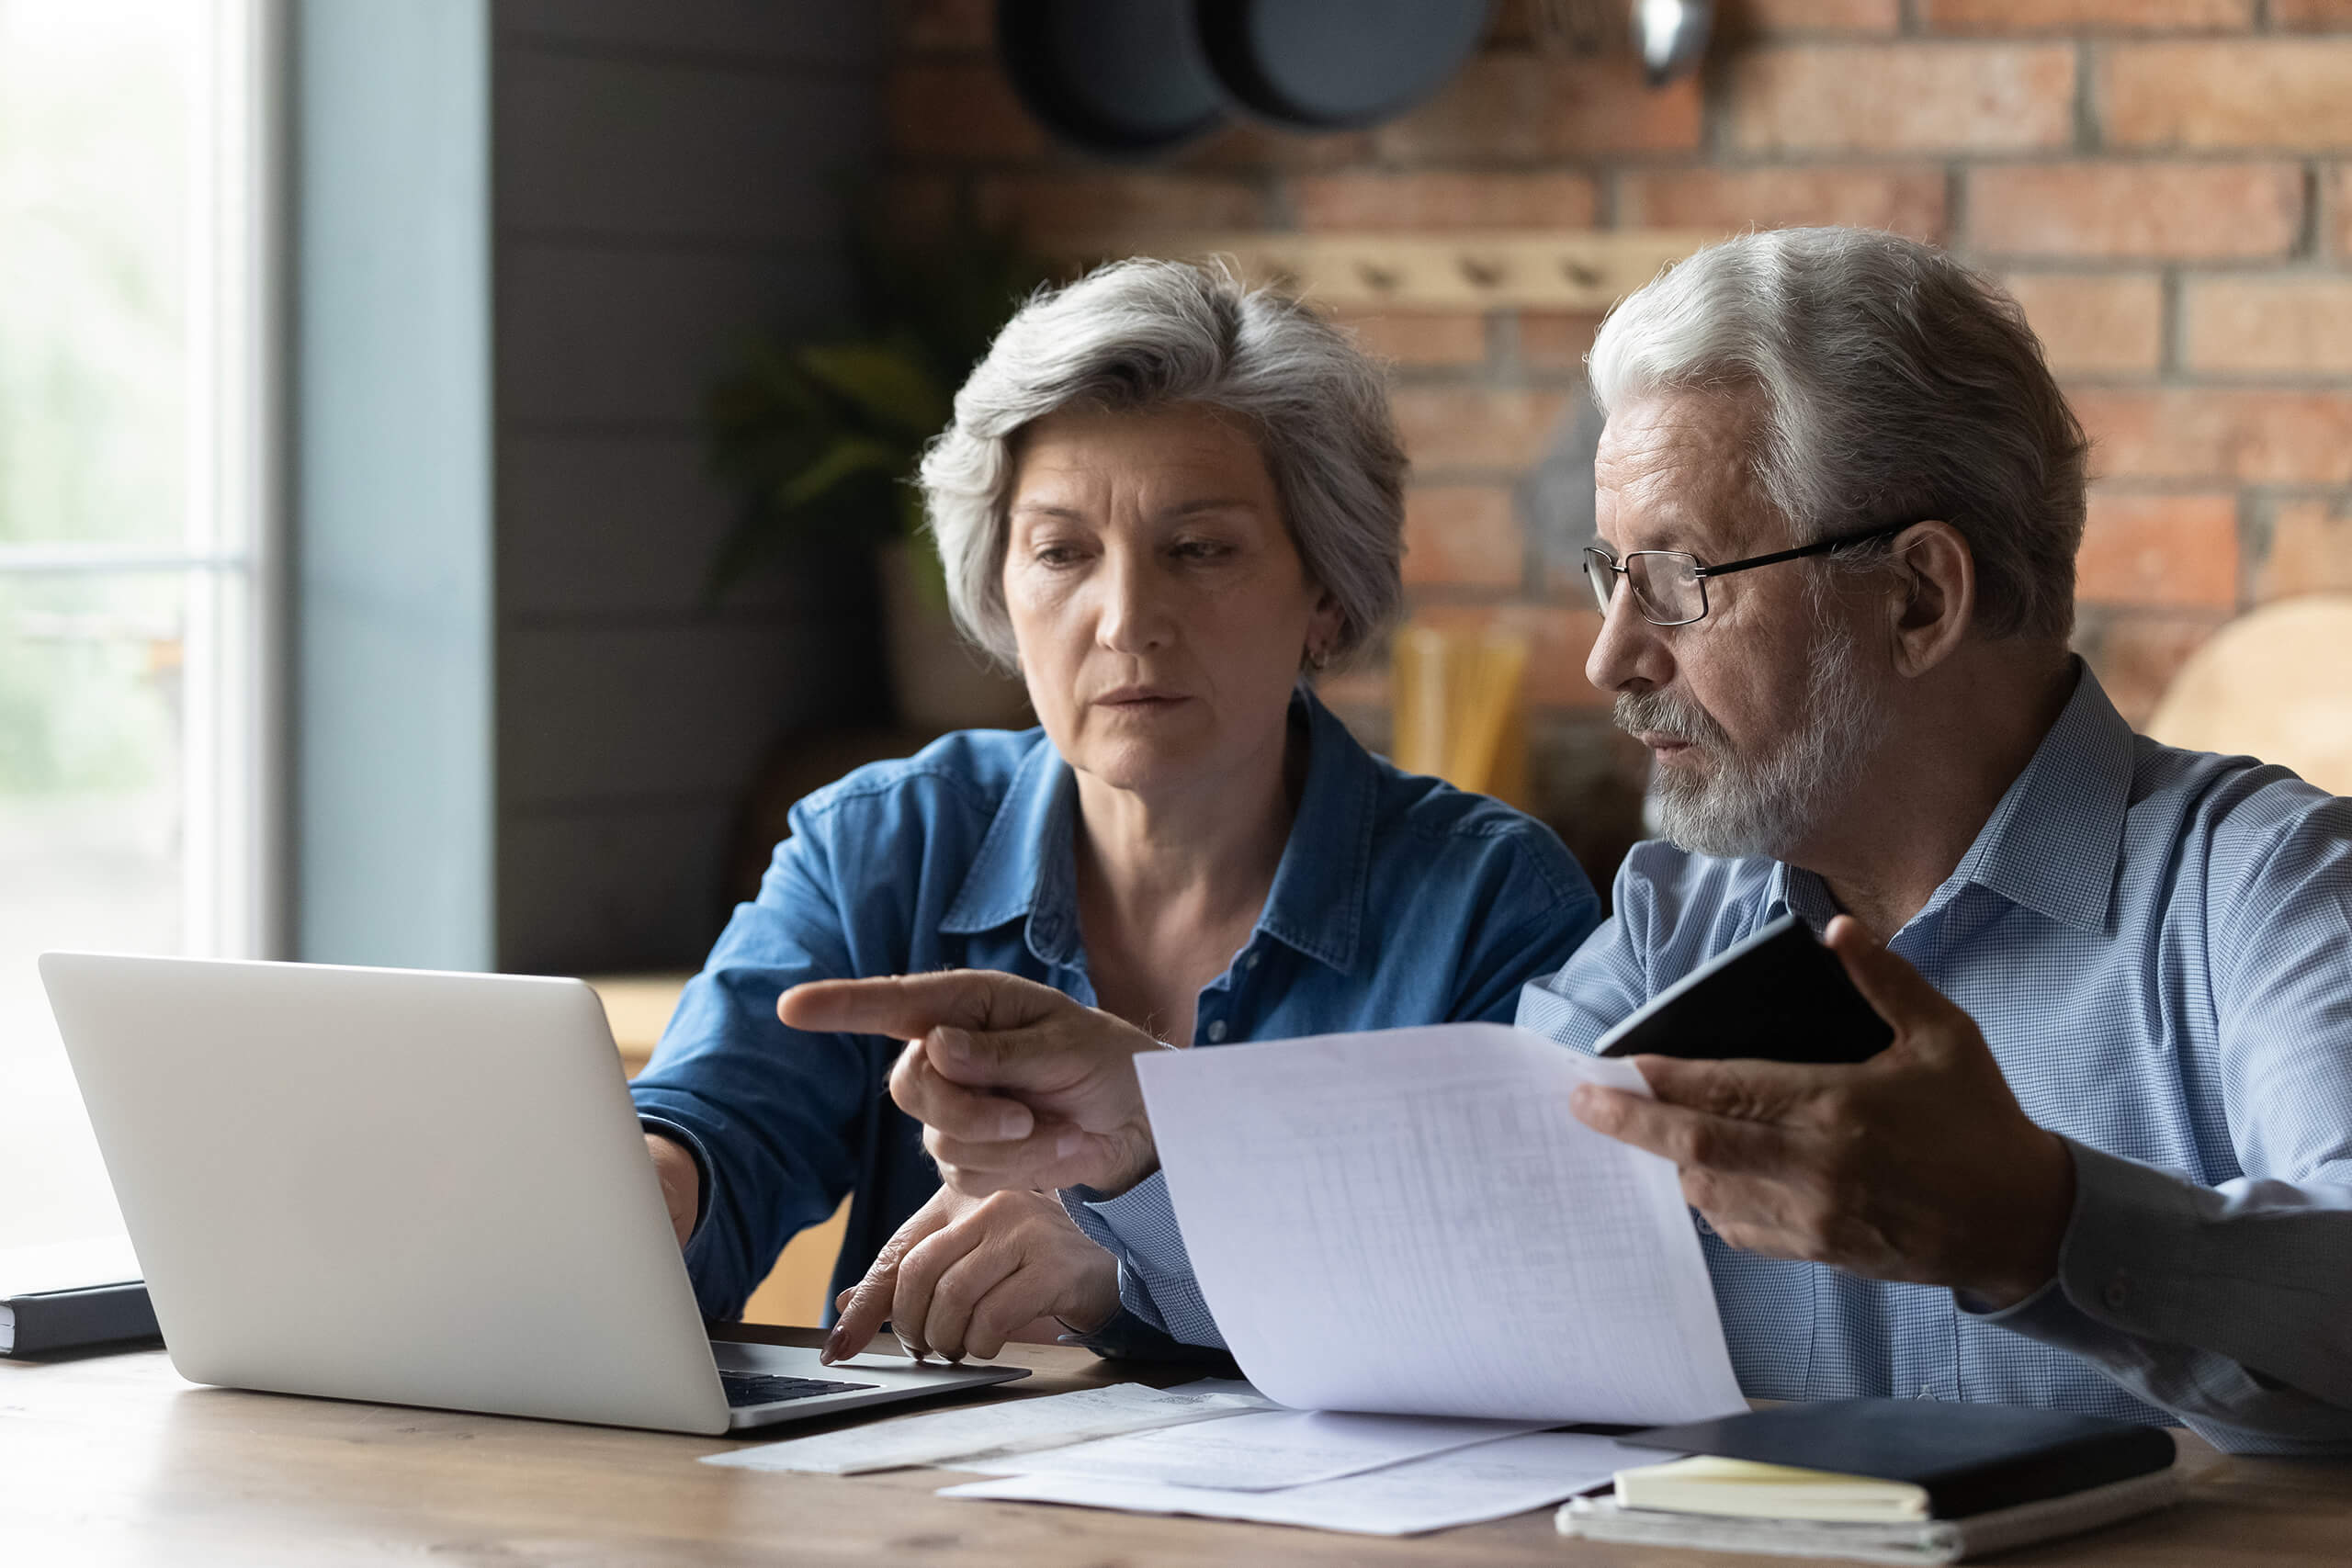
<point>1925,1392</point>
<point>2118,1292</point>
<point>1217,1031</point>
<point>1250,961</point>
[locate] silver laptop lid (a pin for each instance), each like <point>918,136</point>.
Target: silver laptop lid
<point>395,1185</point>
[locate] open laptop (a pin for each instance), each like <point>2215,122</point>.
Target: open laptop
<point>413,1188</point>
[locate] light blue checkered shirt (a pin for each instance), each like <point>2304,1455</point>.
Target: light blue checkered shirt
<point>2157,945</point>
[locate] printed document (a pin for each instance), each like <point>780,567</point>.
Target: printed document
<point>1259,1452</point>
<point>1012,1426</point>
<point>1466,1486</point>
<point>1411,1221</point>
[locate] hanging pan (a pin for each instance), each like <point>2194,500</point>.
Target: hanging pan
<point>1117,78</point>
<point>1336,64</point>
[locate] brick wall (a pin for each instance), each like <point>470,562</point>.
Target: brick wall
<point>2166,183</point>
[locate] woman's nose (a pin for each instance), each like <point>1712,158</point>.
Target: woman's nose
<point>1135,617</point>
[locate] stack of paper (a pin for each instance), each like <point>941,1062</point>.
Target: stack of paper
<point>1461,1486</point>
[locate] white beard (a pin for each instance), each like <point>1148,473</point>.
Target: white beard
<point>1772,803</point>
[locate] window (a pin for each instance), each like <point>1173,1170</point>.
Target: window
<point>137,478</point>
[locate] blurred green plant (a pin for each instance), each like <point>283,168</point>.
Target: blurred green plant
<point>822,433</point>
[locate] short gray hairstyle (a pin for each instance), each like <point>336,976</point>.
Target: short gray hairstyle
<point>1894,383</point>
<point>1149,334</point>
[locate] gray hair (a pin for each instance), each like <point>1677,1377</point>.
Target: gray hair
<point>1147,334</point>
<point>1896,384</point>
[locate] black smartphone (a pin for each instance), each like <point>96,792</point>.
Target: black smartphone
<point>1779,995</point>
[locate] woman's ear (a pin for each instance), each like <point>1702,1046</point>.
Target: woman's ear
<point>1935,595</point>
<point>1325,624</point>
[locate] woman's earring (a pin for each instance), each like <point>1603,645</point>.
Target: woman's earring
<point>1317,657</point>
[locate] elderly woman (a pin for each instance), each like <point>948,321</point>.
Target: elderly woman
<point>1164,498</point>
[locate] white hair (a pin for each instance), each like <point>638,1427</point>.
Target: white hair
<point>1149,334</point>
<point>1894,384</point>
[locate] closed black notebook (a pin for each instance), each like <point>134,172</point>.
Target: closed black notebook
<point>40,1322</point>
<point>1969,1458</point>
<point>1779,995</point>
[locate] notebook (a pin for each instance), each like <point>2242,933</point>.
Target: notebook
<point>1865,1459</point>
<point>67,1295</point>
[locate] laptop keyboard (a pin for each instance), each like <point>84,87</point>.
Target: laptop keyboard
<point>761,1388</point>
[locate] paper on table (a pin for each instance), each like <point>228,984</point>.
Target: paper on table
<point>1411,1221</point>
<point>1008,1427</point>
<point>1259,1452</point>
<point>1487,1482</point>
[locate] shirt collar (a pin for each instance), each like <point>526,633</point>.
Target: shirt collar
<point>1026,864</point>
<point>2054,842</point>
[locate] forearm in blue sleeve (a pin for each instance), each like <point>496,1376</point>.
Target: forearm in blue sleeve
<point>2229,1306</point>
<point>1139,1228</point>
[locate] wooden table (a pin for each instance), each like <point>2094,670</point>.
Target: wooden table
<point>113,1459</point>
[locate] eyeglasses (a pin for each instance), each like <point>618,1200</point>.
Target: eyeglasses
<point>1670,586</point>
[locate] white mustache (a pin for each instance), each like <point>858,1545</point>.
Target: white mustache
<point>1662,713</point>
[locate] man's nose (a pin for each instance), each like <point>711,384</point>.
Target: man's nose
<point>1629,654</point>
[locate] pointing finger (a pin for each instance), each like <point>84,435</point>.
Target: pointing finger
<point>905,1006</point>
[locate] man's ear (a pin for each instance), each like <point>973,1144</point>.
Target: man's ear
<point>1934,596</point>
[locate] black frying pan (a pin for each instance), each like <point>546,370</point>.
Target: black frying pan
<point>1336,64</point>
<point>1120,78</point>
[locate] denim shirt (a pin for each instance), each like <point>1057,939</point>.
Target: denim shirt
<point>1398,899</point>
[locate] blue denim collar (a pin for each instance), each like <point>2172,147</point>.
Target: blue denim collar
<point>1026,864</point>
<point>2054,842</point>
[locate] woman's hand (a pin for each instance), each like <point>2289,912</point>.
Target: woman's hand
<point>1016,1085</point>
<point>966,1274</point>
<point>681,1183</point>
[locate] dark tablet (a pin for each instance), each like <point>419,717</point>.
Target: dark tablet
<point>1779,995</point>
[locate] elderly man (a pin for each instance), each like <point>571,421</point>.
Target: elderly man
<point>2106,1164</point>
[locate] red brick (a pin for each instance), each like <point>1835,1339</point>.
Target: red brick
<point>1822,15</point>
<point>2257,435</point>
<point>2173,550</point>
<point>1447,427</point>
<point>1463,536</point>
<point>1532,107</point>
<point>2136,210</point>
<point>959,25</point>
<point>1246,144</point>
<point>2287,325</point>
<point>1372,201</point>
<point>1423,337</point>
<point>1097,204</point>
<point>958,110</point>
<point>1908,201</point>
<point>2071,16</point>
<point>2311,16</point>
<point>1904,97</point>
<point>2225,93</point>
<point>1555,340</point>
<point>2310,550</point>
<point>2092,324</point>
<point>2136,656</point>
<point>1559,638</point>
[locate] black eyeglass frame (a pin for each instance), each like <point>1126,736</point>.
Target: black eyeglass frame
<point>1598,554</point>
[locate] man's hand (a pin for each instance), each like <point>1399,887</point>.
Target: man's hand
<point>966,1274</point>
<point>681,1183</point>
<point>1917,1165</point>
<point>1017,1086</point>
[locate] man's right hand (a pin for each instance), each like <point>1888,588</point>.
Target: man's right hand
<point>1016,1085</point>
<point>681,1183</point>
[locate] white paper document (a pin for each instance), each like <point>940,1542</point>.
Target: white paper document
<point>1412,1221</point>
<point>1258,1453</point>
<point>1488,1481</point>
<point>1012,1426</point>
